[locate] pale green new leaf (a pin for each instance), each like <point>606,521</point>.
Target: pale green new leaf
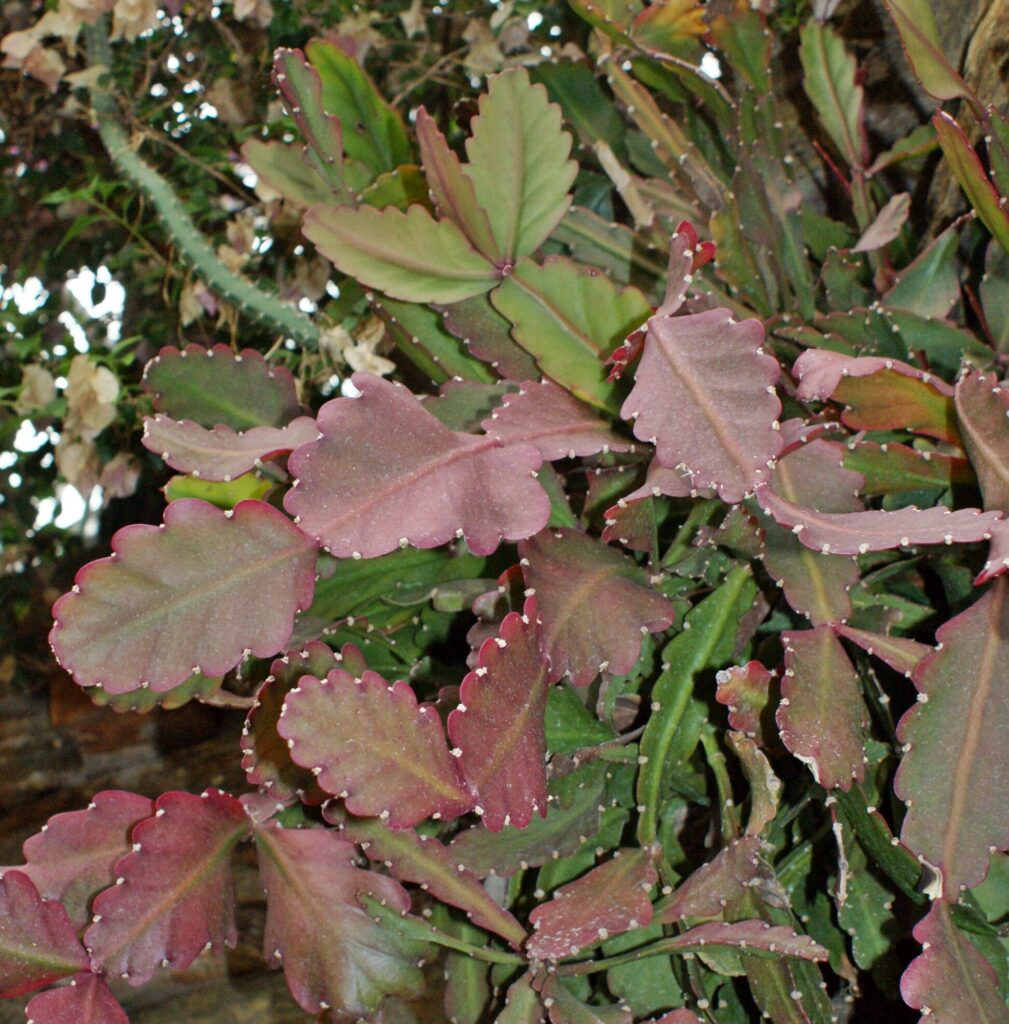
<point>409,256</point>
<point>518,162</point>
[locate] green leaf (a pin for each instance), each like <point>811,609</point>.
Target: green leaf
<point>708,643</point>
<point>569,318</point>
<point>518,162</point>
<point>588,109</point>
<point>223,495</point>
<point>920,38</point>
<point>829,78</point>
<point>968,170</point>
<point>410,255</point>
<point>284,168</point>
<point>372,130</point>
<point>569,724</point>
<point>930,286</point>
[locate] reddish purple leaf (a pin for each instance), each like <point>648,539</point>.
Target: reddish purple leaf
<point>704,395</point>
<point>955,771</point>
<point>220,453</point>
<point>998,553</point>
<point>427,862</point>
<point>38,942</point>
<point>982,406</point>
<point>373,745</point>
<point>266,758</point>
<point>815,584</point>
<point>714,885</point>
<point>552,420</point>
<point>749,935</point>
<point>594,603</point>
<point>820,371</point>
<point>333,953</point>
<point>951,982</point>
<point>610,899</point>
<point>901,654</point>
<point>196,595</point>
<point>173,896</point>
<point>487,334</point>
<point>822,716</point>
<point>632,524</point>
<point>86,1000</point>
<point>746,691</point>
<point>497,729</point>
<point>855,533</point>
<point>216,385</point>
<point>386,474</point>
<point>74,856</point>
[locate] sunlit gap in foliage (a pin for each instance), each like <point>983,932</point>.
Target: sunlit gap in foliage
<point>711,66</point>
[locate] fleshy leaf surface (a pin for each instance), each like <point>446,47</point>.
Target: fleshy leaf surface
<point>955,772</point>
<point>751,935</point>
<point>287,170</point>
<point>409,256</point>
<point>919,35</point>
<point>373,745</point>
<point>426,861</point>
<point>332,952</point>
<point>704,393</point>
<point>549,418</point>
<point>594,603</point>
<point>74,858</point>
<point>86,1000</point>
<point>194,595</point>
<point>982,407</point>
<point>518,162</point>
<point>220,453</point>
<point>217,386</point>
<point>38,942</point>
<point>721,881</point>
<point>487,334</point>
<point>746,691</point>
<point>522,1004</point>
<point>950,982</point>
<point>173,895</point>
<point>815,584</point>
<point>822,716</point>
<point>498,727</point>
<point>386,474</point>
<point>855,533</point>
<point>266,758</point>
<point>610,899</point>
<point>900,653</point>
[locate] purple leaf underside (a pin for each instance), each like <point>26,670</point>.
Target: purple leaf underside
<point>819,372</point>
<point>373,745</point>
<point>221,453</point>
<point>982,407</point>
<point>86,1000</point>
<point>498,728</point>
<point>387,474</point>
<point>704,395</point>
<point>193,596</point>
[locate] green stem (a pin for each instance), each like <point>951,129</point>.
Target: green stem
<point>716,762</point>
<point>700,513</point>
<point>197,251</point>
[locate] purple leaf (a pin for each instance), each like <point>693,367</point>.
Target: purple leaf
<point>498,728</point>
<point>594,603</point>
<point>487,334</point>
<point>452,189</point>
<point>950,982</point>
<point>220,453</point>
<point>746,691</point>
<point>998,553</point>
<point>86,1000</point>
<point>74,857</point>
<point>266,758</point>
<point>901,654</point>
<point>373,745</point>
<point>855,533</point>
<point>427,862</point>
<point>721,881</point>
<point>982,407</point>
<point>217,386</point>
<point>553,421</point>
<point>955,769</point>
<point>749,936</point>
<point>195,595</point>
<point>822,716</point>
<point>820,371</point>
<point>174,895</point>
<point>815,584</point>
<point>610,899</point>
<point>333,953</point>
<point>38,942</point>
<point>386,473</point>
<point>704,394</point>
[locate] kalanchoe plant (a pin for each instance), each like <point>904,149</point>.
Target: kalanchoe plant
<point>732,704</point>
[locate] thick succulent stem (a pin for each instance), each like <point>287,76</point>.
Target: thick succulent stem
<point>247,298</point>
